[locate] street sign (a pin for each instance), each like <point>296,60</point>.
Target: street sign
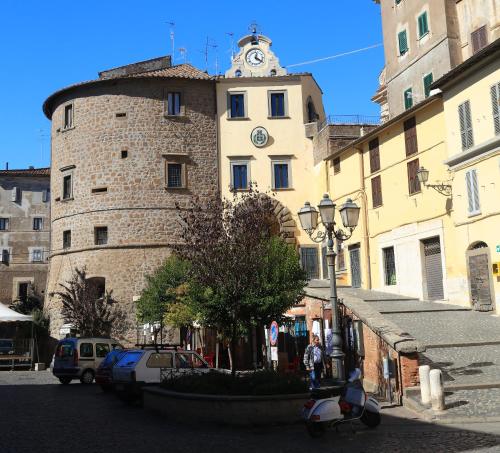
<point>498,248</point>
<point>274,353</point>
<point>273,333</point>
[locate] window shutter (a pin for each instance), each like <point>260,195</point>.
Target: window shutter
<point>479,39</point>
<point>468,125</point>
<point>495,100</point>
<point>465,119</point>
<point>14,196</point>
<point>413,182</point>
<point>428,79</point>
<point>403,42</point>
<point>411,144</point>
<point>373,146</point>
<point>46,195</point>
<point>376,192</point>
<point>472,192</point>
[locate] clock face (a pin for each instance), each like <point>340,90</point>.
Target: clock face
<point>255,57</point>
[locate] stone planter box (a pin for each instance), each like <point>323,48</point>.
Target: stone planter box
<point>225,409</point>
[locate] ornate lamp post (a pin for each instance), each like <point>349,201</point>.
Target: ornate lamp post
<point>442,188</point>
<point>308,215</point>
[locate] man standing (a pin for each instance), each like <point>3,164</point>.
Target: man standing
<point>314,361</point>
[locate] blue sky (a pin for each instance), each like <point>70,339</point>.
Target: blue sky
<point>49,44</point>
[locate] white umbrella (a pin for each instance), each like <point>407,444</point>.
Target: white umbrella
<point>8,315</point>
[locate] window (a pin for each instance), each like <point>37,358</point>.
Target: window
<point>376,192</point>
<point>277,104</point>
<point>309,261</point>
<point>4,224</point>
<point>389,266</point>
<point>124,153</point>
<point>37,256</point>
<point>101,235</point>
<point>5,256</point>
<point>239,175</point>
<point>188,360</point>
<point>68,116</point>
<point>173,103</point>
<point>160,360</point>
<point>336,165</point>
<point>99,190</point>
<point>86,350</point>
<point>423,25</point>
<point>495,102</point>
<point>174,175</point>
<point>474,207</point>
<point>373,147</point>
<point>67,187</point>
<point>22,291</point>
<point>66,239</point>
<point>479,39</point>
<point>465,119</point>
<point>37,223</point>
<point>46,195</point>
<point>428,79</point>
<point>413,182</point>
<point>121,115</point>
<point>300,326</point>
<point>237,105</point>
<point>403,42</point>
<point>281,178</point>
<point>101,349</point>
<point>410,128</point>
<point>408,98</point>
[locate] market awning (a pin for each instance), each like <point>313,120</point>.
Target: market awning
<point>8,315</point>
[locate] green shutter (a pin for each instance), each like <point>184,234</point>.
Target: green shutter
<point>403,42</point>
<point>408,96</point>
<point>423,25</point>
<point>428,79</point>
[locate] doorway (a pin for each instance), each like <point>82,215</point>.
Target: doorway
<point>478,271</point>
<point>355,260</point>
<point>433,268</point>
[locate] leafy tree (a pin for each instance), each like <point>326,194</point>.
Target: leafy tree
<point>33,305</point>
<point>84,306</point>
<point>244,277</point>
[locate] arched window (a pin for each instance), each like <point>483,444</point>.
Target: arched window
<point>237,73</point>
<point>97,284</point>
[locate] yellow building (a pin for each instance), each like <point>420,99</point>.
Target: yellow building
<point>471,95</point>
<point>267,121</point>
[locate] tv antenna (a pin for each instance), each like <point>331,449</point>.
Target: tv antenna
<point>183,54</point>
<point>205,52</point>
<point>41,136</point>
<point>231,49</point>
<point>172,40</point>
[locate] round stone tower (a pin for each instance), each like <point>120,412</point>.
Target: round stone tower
<point>126,148</point>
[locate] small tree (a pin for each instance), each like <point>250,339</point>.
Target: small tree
<point>91,313</point>
<point>247,278</point>
<point>164,297</point>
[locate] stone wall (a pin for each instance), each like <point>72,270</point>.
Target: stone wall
<point>137,208</point>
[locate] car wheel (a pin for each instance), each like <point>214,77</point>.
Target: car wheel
<point>370,419</point>
<point>65,380</point>
<point>316,429</point>
<point>87,377</point>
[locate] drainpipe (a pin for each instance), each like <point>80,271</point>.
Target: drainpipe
<point>366,229</point>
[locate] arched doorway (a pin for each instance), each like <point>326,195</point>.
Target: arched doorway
<point>481,289</point>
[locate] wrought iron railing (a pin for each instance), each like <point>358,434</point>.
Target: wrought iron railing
<point>369,120</point>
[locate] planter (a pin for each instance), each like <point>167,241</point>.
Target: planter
<point>226,409</point>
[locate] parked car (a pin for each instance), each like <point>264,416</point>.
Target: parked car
<point>6,346</point>
<point>103,374</point>
<point>78,358</point>
<point>139,368</point>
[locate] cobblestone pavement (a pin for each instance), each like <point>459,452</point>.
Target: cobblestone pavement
<point>43,416</point>
<point>465,365</point>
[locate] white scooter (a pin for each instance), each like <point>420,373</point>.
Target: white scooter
<point>331,406</point>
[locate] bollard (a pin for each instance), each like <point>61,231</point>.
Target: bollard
<point>425,387</point>
<point>437,390</point>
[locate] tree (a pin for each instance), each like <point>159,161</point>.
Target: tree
<point>92,313</point>
<point>244,276</point>
<point>164,299</point>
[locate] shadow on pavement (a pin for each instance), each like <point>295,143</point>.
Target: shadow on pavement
<point>77,418</point>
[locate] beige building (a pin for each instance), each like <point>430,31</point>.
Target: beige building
<point>424,39</point>
<point>24,232</point>
<point>267,119</point>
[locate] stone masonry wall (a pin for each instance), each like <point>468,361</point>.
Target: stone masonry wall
<point>138,209</point>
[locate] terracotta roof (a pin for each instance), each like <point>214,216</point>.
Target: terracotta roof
<point>26,172</point>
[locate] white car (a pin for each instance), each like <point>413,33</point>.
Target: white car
<point>138,368</point>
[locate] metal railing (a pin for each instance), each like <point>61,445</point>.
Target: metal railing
<point>370,120</point>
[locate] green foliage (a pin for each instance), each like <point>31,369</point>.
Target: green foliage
<point>257,383</point>
<point>166,294</point>
<point>33,305</point>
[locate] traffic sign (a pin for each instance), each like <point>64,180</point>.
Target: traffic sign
<point>273,333</point>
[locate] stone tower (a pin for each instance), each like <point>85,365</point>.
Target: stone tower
<point>125,149</point>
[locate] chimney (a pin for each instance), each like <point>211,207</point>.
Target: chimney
<point>6,165</point>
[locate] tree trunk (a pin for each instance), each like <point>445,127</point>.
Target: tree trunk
<point>233,350</point>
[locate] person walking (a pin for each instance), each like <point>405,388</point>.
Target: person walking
<point>314,361</point>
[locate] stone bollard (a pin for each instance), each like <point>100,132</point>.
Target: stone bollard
<point>425,387</point>
<point>437,390</point>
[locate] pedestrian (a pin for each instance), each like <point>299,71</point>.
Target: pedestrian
<point>314,361</point>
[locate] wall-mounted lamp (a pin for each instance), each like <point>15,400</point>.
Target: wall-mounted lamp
<point>423,177</point>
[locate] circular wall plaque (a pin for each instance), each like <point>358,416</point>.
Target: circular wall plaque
<point>259,137</point>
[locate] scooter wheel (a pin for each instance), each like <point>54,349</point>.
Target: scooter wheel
<point>316,429</point>
<point>371,419</point>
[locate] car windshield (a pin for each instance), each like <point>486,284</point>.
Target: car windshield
<point>129,359</point>
<point>6,343</point>
<point>64,350</point>
<point>112,357</point>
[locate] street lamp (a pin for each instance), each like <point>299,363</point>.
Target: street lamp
<point>308,216</point>
<point>423,177</point>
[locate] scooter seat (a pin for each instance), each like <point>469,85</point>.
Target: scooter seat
<point>326,392</point>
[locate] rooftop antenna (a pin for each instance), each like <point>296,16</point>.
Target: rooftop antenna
<point>231,37</point>
<point>172,40</point>
<point>41,136</point>
<point>183,53</point>
<point>208,44</point>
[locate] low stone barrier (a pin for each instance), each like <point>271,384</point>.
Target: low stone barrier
<point>225,409</point>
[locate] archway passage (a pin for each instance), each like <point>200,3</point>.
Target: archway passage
<point>283,223</point>
<point>478,271</point>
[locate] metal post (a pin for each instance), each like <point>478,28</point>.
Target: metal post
<point>337,353</point>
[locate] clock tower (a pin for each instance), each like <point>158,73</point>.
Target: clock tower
<point>255,58</point>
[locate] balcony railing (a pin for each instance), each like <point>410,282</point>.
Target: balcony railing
<point>369,120</point>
